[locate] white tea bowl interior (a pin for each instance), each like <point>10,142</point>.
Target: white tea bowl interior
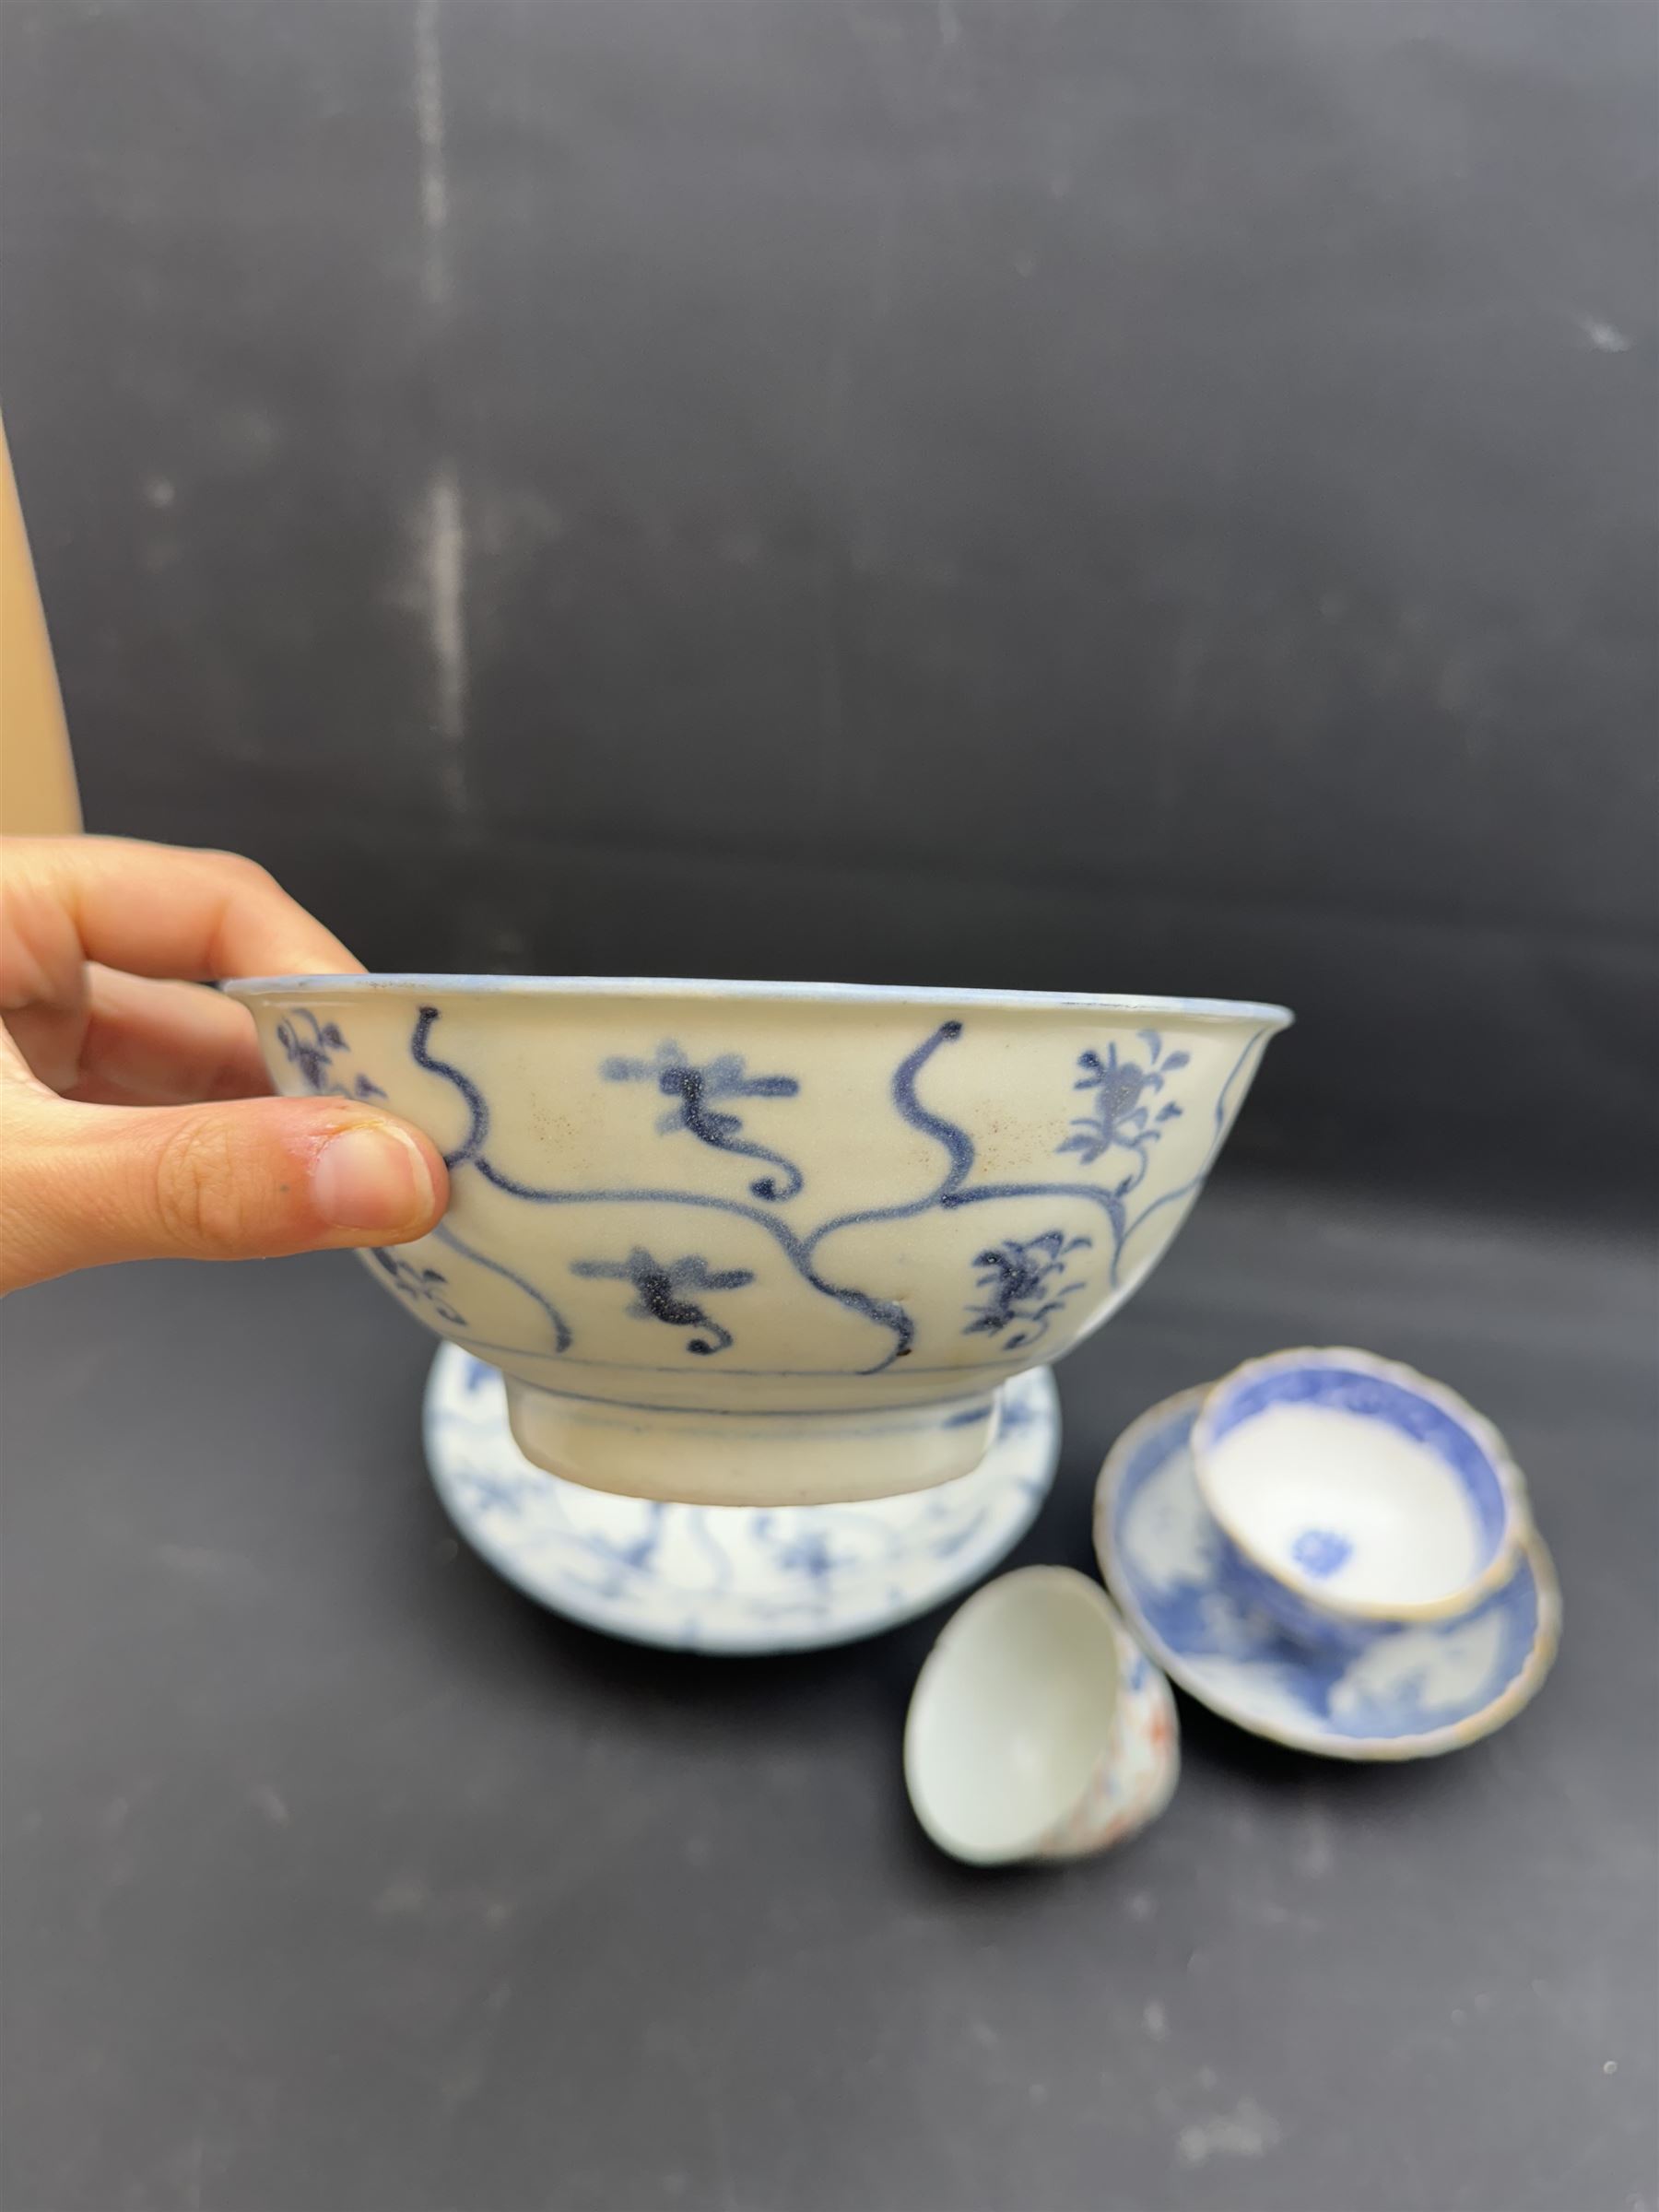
<point>1036,1728</point>
<point>744,1243</point>
<point>1012,1714</point>
<point>1352,1493</point>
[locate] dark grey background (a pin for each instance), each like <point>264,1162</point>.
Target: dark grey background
<point>340,1878</point>
<point>1106,495</point>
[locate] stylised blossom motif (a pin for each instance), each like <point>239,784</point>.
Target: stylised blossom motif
<point>820,1554</point>
<point>310,1045</point>
<point>1126,1111</point>
<point>619,1562</point>
<point>420,1286</point>
<point>1321,1551</point>
<point>1023,1286</point>
<point>807,1551</point>
<point>693,1088</point>
<point>661,1291</point>
<point>489,1494</point>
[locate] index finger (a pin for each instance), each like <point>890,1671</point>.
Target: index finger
<point>162,911</point>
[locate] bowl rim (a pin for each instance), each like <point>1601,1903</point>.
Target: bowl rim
<point>649,986</point>
<point>1512,1484</point>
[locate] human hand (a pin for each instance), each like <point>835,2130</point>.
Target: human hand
<point>134,1119</point>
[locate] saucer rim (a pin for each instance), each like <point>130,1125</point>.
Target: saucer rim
<point>1361,1750</point>
<point>826,1637</point>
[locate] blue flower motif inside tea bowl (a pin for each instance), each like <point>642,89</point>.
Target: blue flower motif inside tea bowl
<point>1351,1495</point>
<point>758,1243</point>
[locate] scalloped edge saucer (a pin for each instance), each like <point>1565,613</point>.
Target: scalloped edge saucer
<point>1240,1667</point>
<point>729,1579</point>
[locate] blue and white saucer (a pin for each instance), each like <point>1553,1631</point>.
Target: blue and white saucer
<point>1418,1690</point>
<point>730,1578</point>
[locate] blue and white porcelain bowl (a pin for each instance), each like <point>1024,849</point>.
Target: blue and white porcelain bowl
<point>759,1243</point>
<point>1352,1495</point>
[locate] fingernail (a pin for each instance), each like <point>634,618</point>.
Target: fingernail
<point>371,1178</point>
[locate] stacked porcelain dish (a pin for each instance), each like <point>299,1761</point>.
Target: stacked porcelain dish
<point>737,1579</point>
<point>1334,1552</point>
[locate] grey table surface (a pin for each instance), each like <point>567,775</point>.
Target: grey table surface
<point>339,1876</point>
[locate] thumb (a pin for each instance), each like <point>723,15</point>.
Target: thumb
<point>247,1180</point>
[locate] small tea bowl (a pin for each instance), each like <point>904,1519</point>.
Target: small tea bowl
<point>771,1243</point>
<point>1353,1496</point>
<point>1037,1728</point>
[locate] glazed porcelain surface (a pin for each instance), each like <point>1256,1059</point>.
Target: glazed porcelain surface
<point>1037,1728</point>
<point>1417,1689</point>
<point>730,1578</point>
<point>1353,1494</point>
<point>746,1243</point>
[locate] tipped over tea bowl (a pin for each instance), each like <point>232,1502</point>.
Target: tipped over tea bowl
<point>1037,1728</point>
<point>768,1243</point>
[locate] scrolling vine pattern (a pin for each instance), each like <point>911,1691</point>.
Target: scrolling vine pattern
<point>1020,1280</point>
